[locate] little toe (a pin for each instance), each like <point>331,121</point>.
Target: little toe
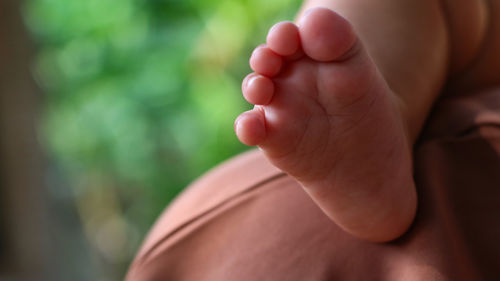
<point>265,62</point>
<point>250,127</point>
<point>257,89</point>
<point>325,35</point>
<point>283,38</point>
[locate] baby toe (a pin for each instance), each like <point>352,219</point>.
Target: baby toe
<point>250,127</point>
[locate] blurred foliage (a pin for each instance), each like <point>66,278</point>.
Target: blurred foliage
<point>140,98</point>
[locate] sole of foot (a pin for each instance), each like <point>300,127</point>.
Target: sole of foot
<point>325,115</point>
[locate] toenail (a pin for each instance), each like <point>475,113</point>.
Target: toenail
<point>237,126</point>
<point>246,81</point>
<point>251,80</point>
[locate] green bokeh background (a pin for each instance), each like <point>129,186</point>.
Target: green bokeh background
<point>139,100</point>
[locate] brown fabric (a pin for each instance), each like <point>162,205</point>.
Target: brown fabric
<point>246,220</point>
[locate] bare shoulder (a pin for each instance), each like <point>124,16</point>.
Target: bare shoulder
<point>474,30</point>
<point>467,25</point>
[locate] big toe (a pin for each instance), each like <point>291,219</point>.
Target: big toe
<point>325,35</point>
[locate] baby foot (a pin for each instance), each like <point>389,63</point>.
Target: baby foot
<point>325,115</point>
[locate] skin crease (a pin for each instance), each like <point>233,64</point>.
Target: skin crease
<point>331,93</point>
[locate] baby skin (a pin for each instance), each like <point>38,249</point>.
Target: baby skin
<point>325,115</point>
